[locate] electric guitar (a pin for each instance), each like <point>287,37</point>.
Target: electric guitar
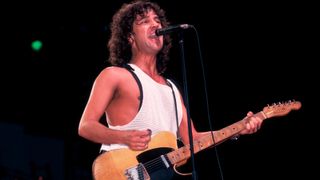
<point>162,152</point>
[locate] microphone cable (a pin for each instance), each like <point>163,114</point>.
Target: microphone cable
<point>206,100</point>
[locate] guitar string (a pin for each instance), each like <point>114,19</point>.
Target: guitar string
<point>157,162</point>
<point>154,164</point>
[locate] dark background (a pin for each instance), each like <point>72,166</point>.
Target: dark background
<point>254,54</point>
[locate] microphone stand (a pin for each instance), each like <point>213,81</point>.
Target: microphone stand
<point>185,87</point>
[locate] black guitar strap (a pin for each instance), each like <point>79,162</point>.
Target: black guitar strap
<point>175,108</point>
<point>130,69</point>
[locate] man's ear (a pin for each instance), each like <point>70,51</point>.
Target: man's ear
<point>131,38</point>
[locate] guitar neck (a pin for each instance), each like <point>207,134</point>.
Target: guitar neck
<point>210,140</point>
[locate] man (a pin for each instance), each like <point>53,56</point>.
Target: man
<point>138,101</point>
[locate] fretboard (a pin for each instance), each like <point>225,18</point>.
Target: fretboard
<point>210,140</point>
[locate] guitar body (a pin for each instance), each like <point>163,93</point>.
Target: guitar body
<point>113,164</point>
<point>156,162</point>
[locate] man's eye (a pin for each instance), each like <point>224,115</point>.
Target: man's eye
<point>145,21</point>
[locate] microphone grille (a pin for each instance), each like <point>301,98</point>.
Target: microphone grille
<point>185,26</point>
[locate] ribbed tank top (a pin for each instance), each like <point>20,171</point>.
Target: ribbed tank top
<point>157,110</point>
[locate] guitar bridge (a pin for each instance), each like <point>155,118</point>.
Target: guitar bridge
<point>137,172</point>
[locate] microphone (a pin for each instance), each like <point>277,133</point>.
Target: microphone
<point>170,29</point>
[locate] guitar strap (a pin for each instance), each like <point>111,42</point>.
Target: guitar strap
<point>130,69</point>
<point>175,108</point>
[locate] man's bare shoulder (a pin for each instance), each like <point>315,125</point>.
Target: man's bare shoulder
<point>112,73</point>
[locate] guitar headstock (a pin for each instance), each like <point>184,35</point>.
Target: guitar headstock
<point>281,109</point>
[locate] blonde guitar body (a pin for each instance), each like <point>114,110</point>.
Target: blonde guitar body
<point>113,164</point>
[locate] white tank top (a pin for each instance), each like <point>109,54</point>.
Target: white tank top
<point>157,110</point>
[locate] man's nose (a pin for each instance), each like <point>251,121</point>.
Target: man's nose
<point>156,25</point>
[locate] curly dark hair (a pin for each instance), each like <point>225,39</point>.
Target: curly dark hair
<point>121,28</point>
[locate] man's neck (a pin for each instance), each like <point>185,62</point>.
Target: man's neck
<point>148,64</point>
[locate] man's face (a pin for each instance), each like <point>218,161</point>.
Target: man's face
<point>144,37</point>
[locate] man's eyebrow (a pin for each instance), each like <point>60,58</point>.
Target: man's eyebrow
<point>140,17</point>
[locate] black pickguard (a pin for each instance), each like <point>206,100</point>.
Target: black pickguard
<point>154,165</point>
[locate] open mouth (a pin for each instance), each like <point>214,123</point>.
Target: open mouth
<point>153,36</point>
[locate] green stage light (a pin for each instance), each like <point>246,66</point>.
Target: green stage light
<point>36,45</point>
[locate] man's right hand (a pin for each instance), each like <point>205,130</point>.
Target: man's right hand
<point>138,140</point>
